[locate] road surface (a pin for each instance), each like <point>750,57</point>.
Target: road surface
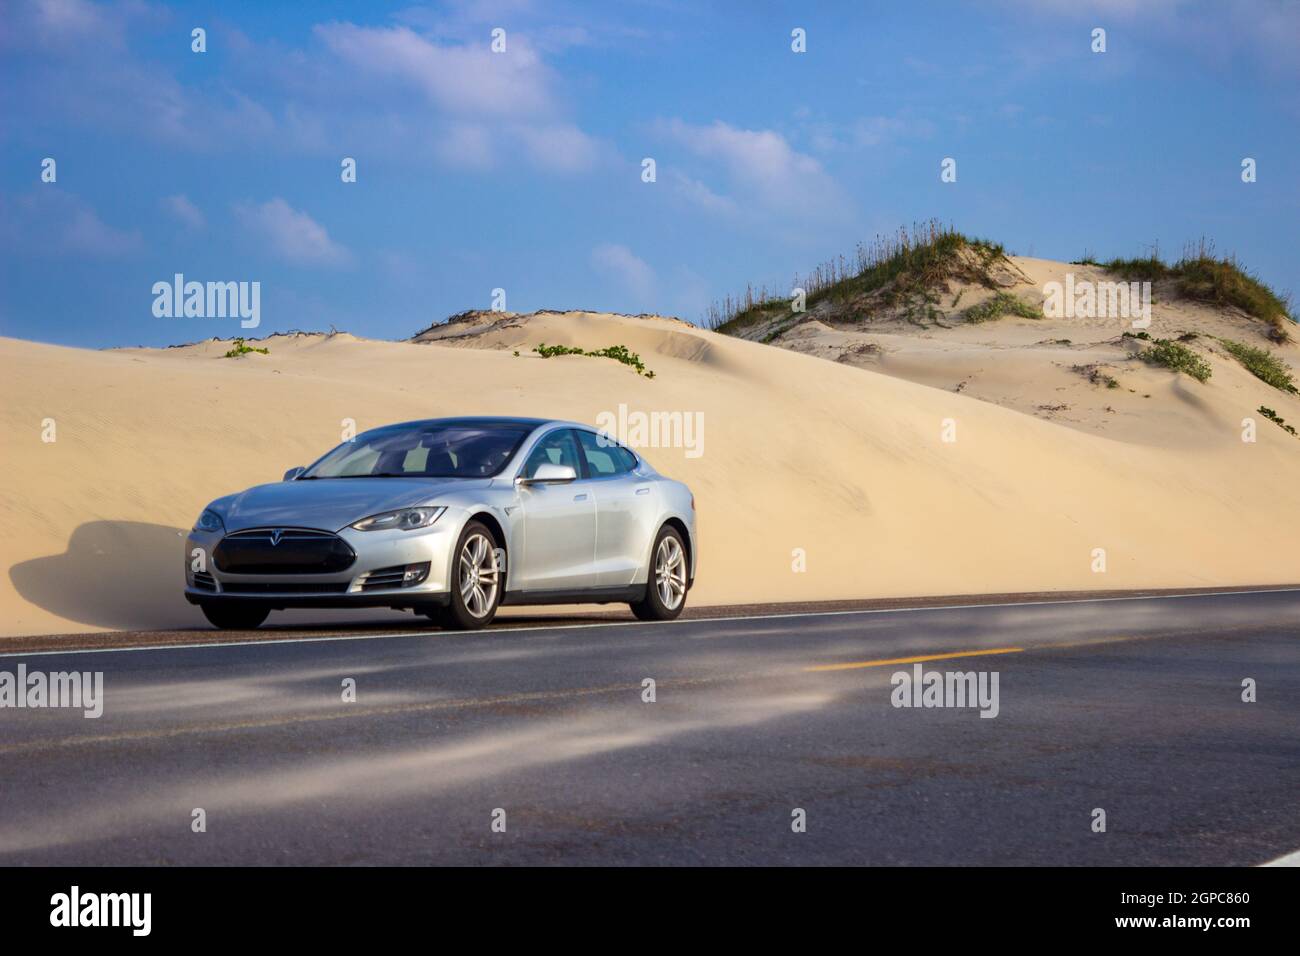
<point>1129,706</point>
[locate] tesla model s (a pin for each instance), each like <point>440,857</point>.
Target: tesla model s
<point>450,518</point>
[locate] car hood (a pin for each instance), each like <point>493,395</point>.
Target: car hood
<point>330,504</point>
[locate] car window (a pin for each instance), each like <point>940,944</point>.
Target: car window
<point>557,448</point>
<point>417,459</point>
<point>604,456</point>
<point>425,450</point>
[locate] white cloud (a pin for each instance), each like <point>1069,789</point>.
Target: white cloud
<point>699,194</point>
<point>560,147</point>
<point>1216,30</point>
<point>184,211</point>
<point>51,221</point>
<point>65,23</point>
<point>86,232</point>
<point>291,234</point>
<point>468,79</point>
<point>629,270</point>
<point>468,145</point>
<point>419,95</point>
<point>493,106</point>
<point>88,76</point>
<point>763,165</point>
<point>548,27</point>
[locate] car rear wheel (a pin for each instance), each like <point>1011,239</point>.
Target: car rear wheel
<point>476,581</point>
<point>665,590</point>
<point>230,616</point>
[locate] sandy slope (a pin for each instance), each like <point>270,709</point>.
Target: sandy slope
<point>799,453</point>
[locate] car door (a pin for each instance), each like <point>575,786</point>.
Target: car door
<point>624,509</point>
<point>559,522</point>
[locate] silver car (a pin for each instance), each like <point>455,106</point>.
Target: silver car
<point>450,518</point>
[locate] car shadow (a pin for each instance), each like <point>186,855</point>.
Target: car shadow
<point>117,574</point>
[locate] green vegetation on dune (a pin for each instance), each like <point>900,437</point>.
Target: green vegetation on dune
<point>908,265</point>
<point>907,272</point>
<point>1178,358</point>
<point>1004,303</point>
<point>240,348</point>
<point>1202,276</point>
<point>1278,420</point>
<point>1149,269</point>
<point>1261,363</point>
<point>618,353</point>
<point>904,268</point>
<point>1096,376</point>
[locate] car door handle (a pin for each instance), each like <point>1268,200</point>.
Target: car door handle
<point>643,491</point>
<point>582,497</point>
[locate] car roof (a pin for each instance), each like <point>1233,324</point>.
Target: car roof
<point>483,420</point>
<point>504,420</point>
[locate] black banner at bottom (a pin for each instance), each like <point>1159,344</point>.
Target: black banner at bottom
<point>334,906</point>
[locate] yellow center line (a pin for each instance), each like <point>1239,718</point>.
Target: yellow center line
<point>913,660</point>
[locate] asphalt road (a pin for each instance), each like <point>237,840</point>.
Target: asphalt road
<point>1131,706</point>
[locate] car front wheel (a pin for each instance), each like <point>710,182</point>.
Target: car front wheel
<point>476,581</point>
<point>234,617</point>
<point>665,590</point>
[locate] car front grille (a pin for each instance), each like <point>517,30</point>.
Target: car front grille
<point>278,587</point>
<point>282,551</point>
<point>204,581</point>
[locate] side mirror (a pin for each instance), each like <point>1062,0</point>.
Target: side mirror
<point>293,473</point>
<point>551,474</point>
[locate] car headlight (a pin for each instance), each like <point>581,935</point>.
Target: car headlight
<point>407,519</point>
<point>209,521</point>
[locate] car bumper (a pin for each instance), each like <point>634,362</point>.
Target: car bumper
<point>406,598</point>
<point>359,585</point>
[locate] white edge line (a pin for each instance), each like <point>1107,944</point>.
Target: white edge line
<point>1291,859</point>
<point>579,627</point>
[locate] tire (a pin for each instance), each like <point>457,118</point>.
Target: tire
<point>234,617</point>
<point>666,581</point>
<point>475,551</point>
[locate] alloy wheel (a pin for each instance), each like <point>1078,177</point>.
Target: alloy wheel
<point>670,572</point>
<point>478,575</point>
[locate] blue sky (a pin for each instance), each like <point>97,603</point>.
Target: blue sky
<point>521,170</point>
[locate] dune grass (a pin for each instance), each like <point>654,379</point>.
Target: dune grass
<point>1261,363</point>
<point>1004,303</point>
<point>1204,277</point>
<point>908,265</point>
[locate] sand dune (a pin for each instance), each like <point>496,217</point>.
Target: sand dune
<point>1057,368</point>
<point>800,455</point>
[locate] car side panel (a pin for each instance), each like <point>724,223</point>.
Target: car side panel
<point>626,512</point>
<point>559,538</point>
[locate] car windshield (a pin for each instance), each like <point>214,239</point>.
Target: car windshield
<point>427,450</point>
